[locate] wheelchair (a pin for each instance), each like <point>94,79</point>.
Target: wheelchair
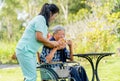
<point>57,71</point>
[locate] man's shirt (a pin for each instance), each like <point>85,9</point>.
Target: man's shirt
<point>60,55</point>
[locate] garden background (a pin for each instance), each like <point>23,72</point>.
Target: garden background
<point>92,25</point>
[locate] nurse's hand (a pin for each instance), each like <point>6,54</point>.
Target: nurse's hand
<point>62,44</point>
<point>55,43</point>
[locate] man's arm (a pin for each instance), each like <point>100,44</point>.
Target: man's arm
<point>50,56</point>
<point>69,42</point>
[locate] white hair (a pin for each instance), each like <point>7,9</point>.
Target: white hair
<point>58,28</point>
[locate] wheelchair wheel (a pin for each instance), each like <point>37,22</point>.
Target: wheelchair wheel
<point>48,74</point>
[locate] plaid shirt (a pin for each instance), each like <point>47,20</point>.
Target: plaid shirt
<point>60,55</point>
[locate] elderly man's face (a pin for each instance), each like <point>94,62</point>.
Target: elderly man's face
<point>60,34</point>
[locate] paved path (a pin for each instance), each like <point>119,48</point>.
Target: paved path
<point>7,66</point>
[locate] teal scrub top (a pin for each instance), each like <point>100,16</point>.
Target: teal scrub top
<point>28,40</point>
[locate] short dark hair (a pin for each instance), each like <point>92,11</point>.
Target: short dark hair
<point>46,9</point>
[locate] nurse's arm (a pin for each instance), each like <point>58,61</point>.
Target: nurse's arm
<point>45,41</point>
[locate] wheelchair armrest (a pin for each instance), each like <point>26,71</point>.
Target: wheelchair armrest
<point>63,64</point>
<point>71,63</point>
<point>48,65</point>
<point>39,65</point>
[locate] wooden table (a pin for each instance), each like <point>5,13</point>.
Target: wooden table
<point>88,56</point>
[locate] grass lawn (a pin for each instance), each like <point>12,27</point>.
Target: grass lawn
<point>109,70</point>
<point>13,74</point>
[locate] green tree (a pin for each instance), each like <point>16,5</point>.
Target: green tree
<point>94,32</point>
<point>8,18</point>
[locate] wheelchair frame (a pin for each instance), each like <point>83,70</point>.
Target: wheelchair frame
<point>50,74</point>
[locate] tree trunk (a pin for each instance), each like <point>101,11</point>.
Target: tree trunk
<point>64,9</point>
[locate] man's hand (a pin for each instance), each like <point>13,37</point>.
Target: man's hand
<point>62,44</point>
<point>69,43</point>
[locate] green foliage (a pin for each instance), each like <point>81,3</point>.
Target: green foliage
<point>112,18</point>
<point>95,41</point>
<point>8,18</point>
<point>78,16</point>
<point>96,22</point>
<point>98,36</point>
<point>78,4</point>
<point>6,51</point>
<point>117,6</point>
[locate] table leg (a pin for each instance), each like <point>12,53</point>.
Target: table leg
<point>96,66</point>
<point>92,65</point>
